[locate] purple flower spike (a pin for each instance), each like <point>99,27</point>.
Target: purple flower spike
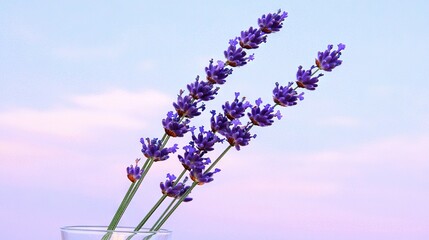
<point>286,96</point>
<point>236,109</point>
<point>251,38</point>
<point>205,140</point>
<point>263,117</point>
<point>187,107</point>
<point>174,191</point>
<point>152,149</point>
<point>134,173</point>
<point>238,136</point>
<point>272,22</point>
<point>173,127</point>
<point>199,177</point>
<point>192,159</point>
<point>202,90</point>
<point>305,80</point>
<point>236,57</point>
<point>218,73</point>
<point>328,60</point>
<point>219,123</point>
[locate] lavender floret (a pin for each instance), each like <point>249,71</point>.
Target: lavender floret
<point>216,74</point>
<point>202,90</point>
<point>272,22</point>
<point>263,116</point>
<point>174,191</point>
<point>236,57</point>
<point>328,60</point>
<point>134,172</point>
<point>305,80</point>
<point>192,159</point>
<point>286,95</point>
<point>152,149</point>
<point>173,126</point>
<point>198,176</point>
<point>205,140</point>
<point>236,109</point>
<point>251,38</point>
<point>219,123</point>
<point>187,107</point>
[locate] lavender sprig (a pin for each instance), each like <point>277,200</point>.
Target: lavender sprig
<point>227,124</point>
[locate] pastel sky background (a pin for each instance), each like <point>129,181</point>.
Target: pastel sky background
<point>82,81</point>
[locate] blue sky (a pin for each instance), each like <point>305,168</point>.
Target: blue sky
<point>81,82</point>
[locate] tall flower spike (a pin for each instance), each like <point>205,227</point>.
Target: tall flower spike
<point>202,90</point>
<point>134,172</point>
<point>173,125</point>
<point>272,22</point>
<point>251,38</point>
<point>305,80</point>
<point>236,109</point>
<point>286,96</point>
<point>263,117</point>
<point>328,60</point>
<point>216,74</point>
<point>236,57</point>
<point>152,149</point>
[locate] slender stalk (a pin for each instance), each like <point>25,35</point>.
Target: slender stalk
<point>156,228</point>
<point>157,204</point>
<point>116,216</point>
<point>218,159</point>
<point>163,214</point>
<point>149,214</point>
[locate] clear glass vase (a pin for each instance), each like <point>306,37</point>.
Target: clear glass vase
<point>120,233</point>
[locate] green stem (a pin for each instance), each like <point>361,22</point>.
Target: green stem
<point>149,214</point>
<point>218,158</point>
<point>163,214</point>
<point>156,228</point>
<point>157,204</point>
<point>116,216</point>
<point>131,195</point>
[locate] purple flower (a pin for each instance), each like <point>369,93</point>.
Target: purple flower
<point>251,38</point>
<point>134,173</point>
<point>202,90</point>
<point>272,22</point>
<point>205,140</point>
<point>192,159</point>
<point>174,191</point>
<point>173,125</point>
<point>152,149</point>
<point>305,80</point>
<point>219,123</point>
<point>216,74</point>
<point>263,117</point>
<point>236,109</point>
<point>236,57</point>
<point>328,60</point>
<point>187,107</point>
<point>286,96</point>
<point>237,135</point>
<point>199,177</point>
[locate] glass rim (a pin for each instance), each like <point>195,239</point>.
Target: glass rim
<point>119,229</point>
